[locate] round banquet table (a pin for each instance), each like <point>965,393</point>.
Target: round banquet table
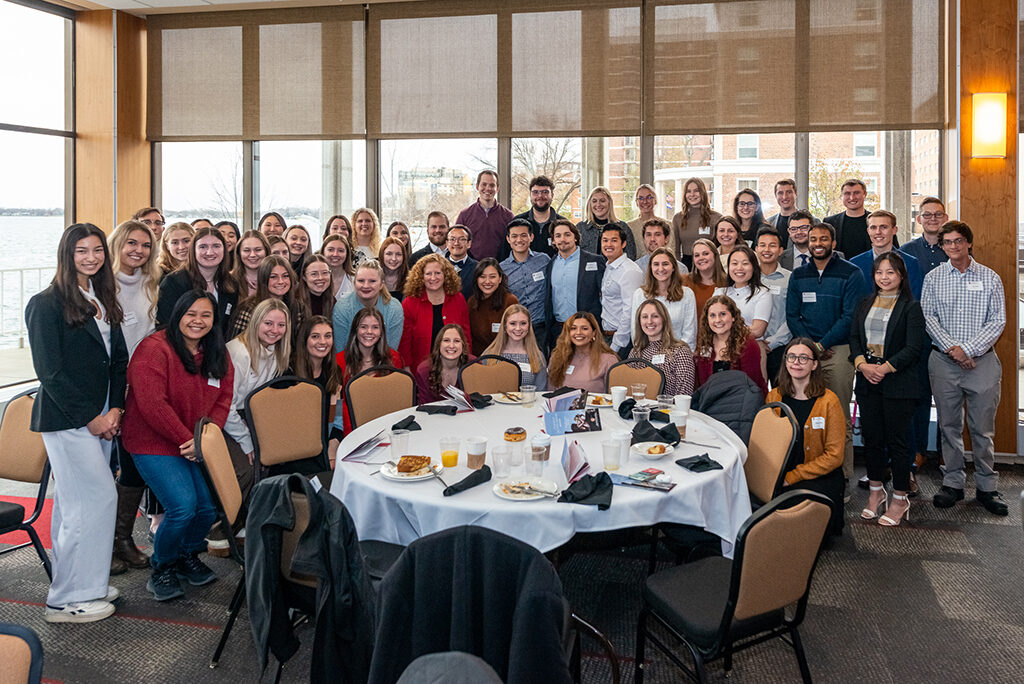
<point>401,512</point>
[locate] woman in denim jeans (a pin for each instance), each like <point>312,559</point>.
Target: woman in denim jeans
<point>177,376</point>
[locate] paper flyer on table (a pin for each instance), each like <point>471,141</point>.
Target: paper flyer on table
<point>459,398</point>
<point>574,461</point>
<point>567,402</point>
<point>363,451</point>
<point>565,422</point>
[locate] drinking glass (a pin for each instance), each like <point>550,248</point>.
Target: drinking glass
<point>529,394</point>
<point>449,451</point>
<point>611,448</point>
<point>501,458</point>
<point>639,391</point>
<point>399,444</point>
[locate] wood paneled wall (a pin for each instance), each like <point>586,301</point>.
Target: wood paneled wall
<point>988,187</point>
<point>112,156</point>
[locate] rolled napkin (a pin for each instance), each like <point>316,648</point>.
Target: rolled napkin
<point>594,490</point>
<point>470,481</point>
<point>559,392</point>
<point>645,432</point>
<point>659,416</point>
<point>699,464</point>
<point>626,408</point>
<point>480,401</point>
<point>434,409</point>
<point>407,423</point>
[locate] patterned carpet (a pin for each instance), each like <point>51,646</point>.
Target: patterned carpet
<point>938,600</point>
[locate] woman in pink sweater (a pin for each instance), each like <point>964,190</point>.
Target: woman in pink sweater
<point>177,376</point>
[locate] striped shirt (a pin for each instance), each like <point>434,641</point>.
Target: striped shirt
<point>963,309</point>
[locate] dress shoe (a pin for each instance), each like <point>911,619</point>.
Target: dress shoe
<point>947,496</point>
<point>992,502</point>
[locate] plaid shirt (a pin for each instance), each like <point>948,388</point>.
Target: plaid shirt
<point>963,309</point>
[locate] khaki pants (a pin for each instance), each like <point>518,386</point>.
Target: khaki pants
<point>839,378</point>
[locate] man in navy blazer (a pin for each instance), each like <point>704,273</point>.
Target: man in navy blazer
<point>573,279</point>
<point>881,231</point>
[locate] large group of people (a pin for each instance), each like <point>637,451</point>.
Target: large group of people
<point>135,341</point>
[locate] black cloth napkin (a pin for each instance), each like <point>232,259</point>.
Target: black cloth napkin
<point>699,464</point>
<point>559,392</point>
<point>470,481</point>
<point>595,490</point>
<point>480,401</point>
<point>626,408</point>
<point>659,416</point>
<point>645,432</point>
<point>431,409</point>
<point>407,423</point>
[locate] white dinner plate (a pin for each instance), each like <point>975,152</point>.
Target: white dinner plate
<point>501,492</point>
<point>640,449</point>
<point>606,404</point>
<point>388,472</point>
<point>500,398</point>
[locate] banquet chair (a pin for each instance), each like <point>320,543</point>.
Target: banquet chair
<point>490,374</point>
<point>287,419</point>
<point>23,459</point>
<point>377,391</point>
<point>21,652</point>
<point>772,437</point>
<point>215,461</point>
<point>632,371</point>
<point>717,607</point>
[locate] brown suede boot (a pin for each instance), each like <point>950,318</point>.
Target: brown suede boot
<point>117,566</point>
<point>128,499</point>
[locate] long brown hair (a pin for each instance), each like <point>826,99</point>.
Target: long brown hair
<point>403,269</point>
<point>675,283</point>
<point>238,268</point>
<point>77,309</point>
<point>305,297</point>
<point>222,279</point>
<point>705,201</point>
<point>716,264</point>
<point>302,367</point>
<point>434,376</point>
<point>348,266</point>
<point>380,355</point>
<point>738,335</point>
<point>816,383</point>
<point>668,336</point>
<point>564,349</point>
<point>497,298</point>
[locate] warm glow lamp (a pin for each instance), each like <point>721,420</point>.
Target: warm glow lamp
<point>988,138</point>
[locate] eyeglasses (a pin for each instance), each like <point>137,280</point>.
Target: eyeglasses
<point>932,215</point>
<point>150,222</point>
<point>541,191</point>
<point>801,359</point>
<point>458,240</point>
<point>955,241</point>
<point>645,198</point>
<point>746,205</point>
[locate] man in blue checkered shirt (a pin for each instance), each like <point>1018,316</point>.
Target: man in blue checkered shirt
<point>965,313</point>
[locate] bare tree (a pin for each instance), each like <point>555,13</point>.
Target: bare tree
<point>556,158</point>
<point>825,180</point>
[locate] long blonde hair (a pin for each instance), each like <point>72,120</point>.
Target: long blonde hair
<point>166,260</point>
<point>250,337</point>
<point>611,204</point>
<point>564,349</point>
<point>375,239</point>
<point>530,341</point>
<point>150,270</point>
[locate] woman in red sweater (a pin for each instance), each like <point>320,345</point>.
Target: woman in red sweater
<point>433,299</point>
<point>177,376</point>
<point>724,343</point>
<point>367,347</point>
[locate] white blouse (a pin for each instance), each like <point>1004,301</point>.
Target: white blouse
<point>759,308</point>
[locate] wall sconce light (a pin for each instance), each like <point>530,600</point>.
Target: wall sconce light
<point>988,135</point>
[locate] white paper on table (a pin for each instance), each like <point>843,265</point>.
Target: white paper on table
<point>574,461</point>
<point>363,451</point>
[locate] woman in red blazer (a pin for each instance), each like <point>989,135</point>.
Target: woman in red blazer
<point>367,347</point>
<point>433,299</point>
<point>725,343</point>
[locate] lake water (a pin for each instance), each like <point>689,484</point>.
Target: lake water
<point>26,242</point>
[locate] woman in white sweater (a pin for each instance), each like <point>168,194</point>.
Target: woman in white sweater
<point>134,255</point>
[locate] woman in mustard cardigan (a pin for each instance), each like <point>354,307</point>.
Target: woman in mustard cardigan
<point>816,460</point>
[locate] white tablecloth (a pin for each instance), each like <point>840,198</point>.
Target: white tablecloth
<point>401,512</point>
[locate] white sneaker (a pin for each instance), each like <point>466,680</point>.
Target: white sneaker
<point>219,544</point>
<point>83,611</point>
<point>112,594</point>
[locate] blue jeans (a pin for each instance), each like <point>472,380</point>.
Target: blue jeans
<point>189,511</point>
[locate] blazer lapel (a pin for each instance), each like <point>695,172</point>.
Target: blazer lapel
<point>94,331</point>
<point>894,319</point>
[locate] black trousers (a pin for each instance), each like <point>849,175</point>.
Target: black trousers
<point>832,485</point>
<point>883,426</point>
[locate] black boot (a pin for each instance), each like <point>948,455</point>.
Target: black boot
<point>128,499</point>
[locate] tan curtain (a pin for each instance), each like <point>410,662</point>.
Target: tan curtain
<point>257,75</point>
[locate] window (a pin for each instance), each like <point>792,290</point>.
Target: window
<point>831,164</point>
<point>865,144</point>
<point>202,180</point>
<point>746,184</point>
<point>556,158</point>
<point>746,146</point>
<point>420,176</point>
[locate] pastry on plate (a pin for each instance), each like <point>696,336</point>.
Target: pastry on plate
<point>411,464</point>
<point>515,434</point>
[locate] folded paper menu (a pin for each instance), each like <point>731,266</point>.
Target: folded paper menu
<point>563,422</point>
<point>363,451</point>
<point>459,398</point>
<point>574,461</point>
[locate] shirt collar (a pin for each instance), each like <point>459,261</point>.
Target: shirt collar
<point>618,262</point>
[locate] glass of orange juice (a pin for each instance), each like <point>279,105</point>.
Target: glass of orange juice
<point>449,451</point>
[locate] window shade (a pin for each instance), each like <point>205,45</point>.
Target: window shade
<point>257,75</point>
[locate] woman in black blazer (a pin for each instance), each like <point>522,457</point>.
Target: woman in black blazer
<point>80,357</point>
<point>207,270</point>
<point>886,341</point>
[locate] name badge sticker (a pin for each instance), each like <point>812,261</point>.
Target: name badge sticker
<point>569,370</point>
<point>525,367</point>
<point>704,230</point>
<point>975,287</point>
<point>538,276</point>
<point>495,327</point>
<point>130,318</point>
<point>775,290</point>
<point>213,382</point>
<point>886,316</point>
<point>591,266</point>
<point>227,309</point>
<point>658,359</point>
<point>810,297</point>
<point>817,423</point>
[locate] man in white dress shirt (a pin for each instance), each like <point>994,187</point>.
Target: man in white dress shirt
<point>621,279</point>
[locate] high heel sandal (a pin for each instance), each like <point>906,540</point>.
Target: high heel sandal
<point>872,513</point>
<point>886,521</point>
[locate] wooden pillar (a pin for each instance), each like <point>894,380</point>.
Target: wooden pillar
<point>112,156</point>
<point>988,187</point>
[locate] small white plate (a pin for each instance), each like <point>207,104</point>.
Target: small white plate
<point>500,398</point>
<point>607,403</point>
<point>388,472</point>
<point>640,449</point>
<point>499,489</point>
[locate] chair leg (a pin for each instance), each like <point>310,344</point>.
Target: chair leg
<point>698,665</point>
<point>606,645</point>
<point>638,661</point>
<point>280,667</point>
<point>801,657</point>
<point>727,660</point>
<point>34,536</point>
<point>236,606</point>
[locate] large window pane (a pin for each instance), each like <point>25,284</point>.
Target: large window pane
<point>925,168</point>
<point>558,159</point>
<point>31,222</point>
<point>202,179</point>
<point>309,180</point>
<point>836,157</point>
<point>34,55</point>
<point>421,176</point>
